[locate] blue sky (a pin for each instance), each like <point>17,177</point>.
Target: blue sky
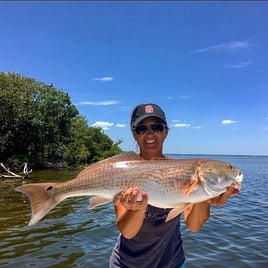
<point>204,63</point>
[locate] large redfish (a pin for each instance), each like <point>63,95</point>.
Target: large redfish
<point>170,183</point>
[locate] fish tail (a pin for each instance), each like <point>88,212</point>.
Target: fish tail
<point>42,199</point>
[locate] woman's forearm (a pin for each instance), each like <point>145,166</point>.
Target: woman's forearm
<point>130,222</point>
<point>197,215</point>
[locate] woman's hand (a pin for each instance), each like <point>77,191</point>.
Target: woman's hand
<point>197,214</point>
<point>222,199</point>
<point>130,207</point>
<point>132,199</point>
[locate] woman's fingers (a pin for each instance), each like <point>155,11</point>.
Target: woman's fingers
<point>222,199</point>
<point>131,199</point>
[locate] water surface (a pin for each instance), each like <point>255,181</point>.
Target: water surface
<point>236,235</point>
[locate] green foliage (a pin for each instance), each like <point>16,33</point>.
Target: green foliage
<point>40,125</point>
<point>88,144</point>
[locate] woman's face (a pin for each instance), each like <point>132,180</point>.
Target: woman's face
<point>150,139</point>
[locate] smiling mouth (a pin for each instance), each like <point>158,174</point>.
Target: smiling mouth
<point>150,141</point>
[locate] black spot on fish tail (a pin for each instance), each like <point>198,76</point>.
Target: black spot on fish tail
<point>42,199</point>
<point>49,188</point>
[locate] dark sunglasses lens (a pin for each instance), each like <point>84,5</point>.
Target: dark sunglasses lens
<point>157,127</point>
<point>141,129</point>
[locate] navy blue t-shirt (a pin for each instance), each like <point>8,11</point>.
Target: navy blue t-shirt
<point>157,245</point>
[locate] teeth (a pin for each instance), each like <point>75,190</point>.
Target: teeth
<point>150,141</point>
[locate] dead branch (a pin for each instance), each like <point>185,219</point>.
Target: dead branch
<point>11,174</point>
<point>25,170</point>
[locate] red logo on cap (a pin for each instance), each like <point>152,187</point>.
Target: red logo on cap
<point>149,109</point>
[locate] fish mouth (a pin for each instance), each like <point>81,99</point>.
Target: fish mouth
<point>235,191</point>
<point>238,183</point>
<point>239,178</point>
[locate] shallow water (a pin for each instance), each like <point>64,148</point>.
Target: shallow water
<point>71,236</point>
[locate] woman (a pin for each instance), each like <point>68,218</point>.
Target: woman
<point>145,239</point>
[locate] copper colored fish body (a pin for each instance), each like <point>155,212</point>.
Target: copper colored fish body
<point>170,183</point>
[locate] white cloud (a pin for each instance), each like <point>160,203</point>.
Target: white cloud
<point>104,79</point>
<point>103,125</point>
<point>229,46</point>
<point>120,125</point>
<point>177,124</point>
<point>98,103</point>
<point>228,122</point>
<point>181,125</point>
<point>237,66</point>
<point>185,97</point>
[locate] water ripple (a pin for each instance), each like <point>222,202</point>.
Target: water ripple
<point>236,235</point>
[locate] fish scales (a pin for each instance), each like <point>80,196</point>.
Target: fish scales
<point>122,175</point>
<point>169,183</point>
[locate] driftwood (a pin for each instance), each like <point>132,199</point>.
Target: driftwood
<point>10,174</point>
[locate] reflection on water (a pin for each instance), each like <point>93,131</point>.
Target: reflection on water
<point>71,236</point>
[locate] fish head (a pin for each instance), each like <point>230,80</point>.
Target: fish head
<point>215,176</point>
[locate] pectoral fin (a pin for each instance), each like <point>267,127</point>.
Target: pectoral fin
<point>98,201</point>
<point>176,211</point>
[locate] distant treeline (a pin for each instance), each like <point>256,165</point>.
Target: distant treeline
<point>39,125</point>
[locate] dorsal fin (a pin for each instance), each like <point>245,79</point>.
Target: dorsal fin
<point>125,156</point>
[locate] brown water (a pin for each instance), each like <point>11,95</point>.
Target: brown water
<point>69,236</point>
<point>72,236</point>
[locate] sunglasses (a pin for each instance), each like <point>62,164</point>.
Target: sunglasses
<point>155,127</point>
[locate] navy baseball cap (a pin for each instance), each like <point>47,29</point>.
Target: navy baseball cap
<point>143,111</point>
